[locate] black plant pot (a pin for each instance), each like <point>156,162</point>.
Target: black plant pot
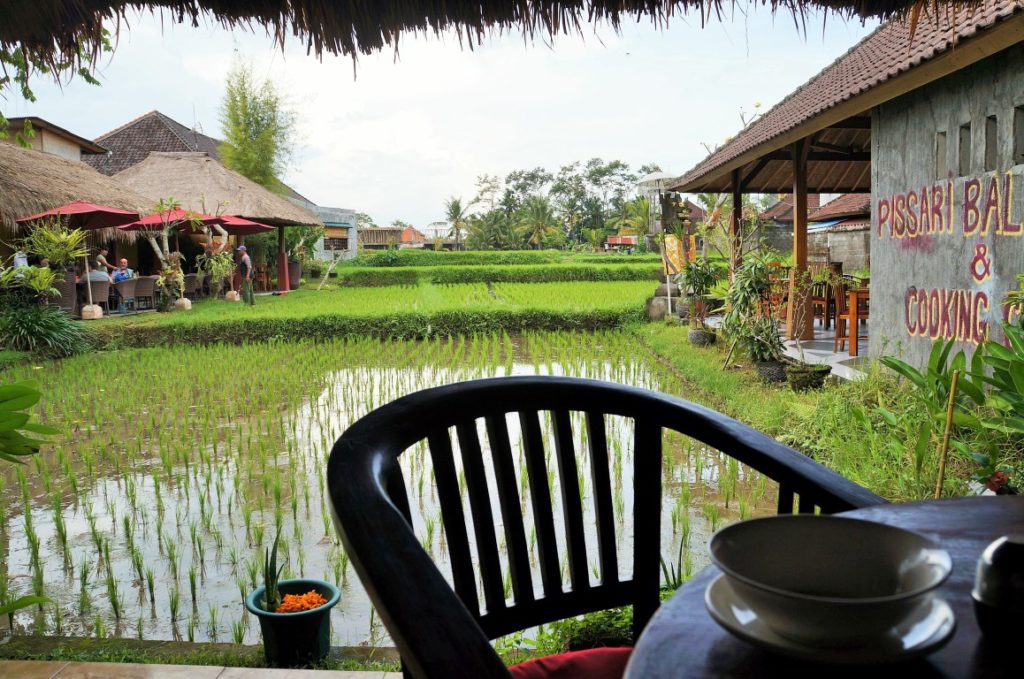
<point>296,639</point>
<point>807,376</point>
<point>700,337</point>
<point>771,371</point>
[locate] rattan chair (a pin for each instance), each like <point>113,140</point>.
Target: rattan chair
<point>126,289</point>
<point>100,293</point>
<point>145,292</point>
<point>193,284</point>
<point>67,295</point>
<point>444,633</point>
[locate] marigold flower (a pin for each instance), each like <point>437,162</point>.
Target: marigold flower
<point>296,603</point>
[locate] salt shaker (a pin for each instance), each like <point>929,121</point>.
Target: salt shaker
<point>999,587</point>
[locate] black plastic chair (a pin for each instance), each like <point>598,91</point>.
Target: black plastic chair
<point>445,633</point>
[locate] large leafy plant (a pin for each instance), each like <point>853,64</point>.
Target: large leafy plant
<point>698,276</point>
<point>18,440</point>
<point>53,241</point>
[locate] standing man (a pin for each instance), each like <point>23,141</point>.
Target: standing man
<point>245,269</point>
<point>101,261</point>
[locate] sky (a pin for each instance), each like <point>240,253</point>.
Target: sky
<point>395,136</point>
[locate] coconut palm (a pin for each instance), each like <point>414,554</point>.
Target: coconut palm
<point>537,219</point>
<point>456,214</point>
<point>634,217</point>
<point>492,230</point>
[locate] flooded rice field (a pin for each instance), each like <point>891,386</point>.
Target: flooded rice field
<point>176,467</point>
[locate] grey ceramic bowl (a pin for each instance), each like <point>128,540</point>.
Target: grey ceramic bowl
<point>828,581</point>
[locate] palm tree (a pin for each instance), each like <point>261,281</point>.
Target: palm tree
<point>634,218</point>
<point>491,231</point>
<point>537,219</point>
<point>455,213</point>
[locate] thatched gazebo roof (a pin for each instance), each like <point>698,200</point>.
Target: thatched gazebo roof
<point>32,181</point>
<point>61,30</point>
<point>201,184</point>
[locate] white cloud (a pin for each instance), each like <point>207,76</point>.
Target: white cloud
<point>402,135</point>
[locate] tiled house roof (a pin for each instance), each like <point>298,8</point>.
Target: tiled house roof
<point>782,211</point>
<point>886,53</point>
<point>132,143</point>
<point>844,207</point>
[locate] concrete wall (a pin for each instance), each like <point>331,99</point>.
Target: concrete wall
<point>946,239</point>
<point>852,248</point>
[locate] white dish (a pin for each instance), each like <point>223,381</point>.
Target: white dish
<point>826,580</point>
<point>926,629</point>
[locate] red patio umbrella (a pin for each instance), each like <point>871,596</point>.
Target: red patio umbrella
<point>240,226</point>
<point>156,221</point>
<point>80,214</point>
<point>83,215</point>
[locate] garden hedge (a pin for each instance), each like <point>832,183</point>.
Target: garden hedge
<point>411,325</point>
<point>411,257</point>
<point>451,275</point>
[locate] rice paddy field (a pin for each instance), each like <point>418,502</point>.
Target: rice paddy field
<point>176,466</point>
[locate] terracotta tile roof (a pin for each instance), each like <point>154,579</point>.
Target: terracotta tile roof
<point>884,54</point>
<point>845,206</point>
<point>782,211</point>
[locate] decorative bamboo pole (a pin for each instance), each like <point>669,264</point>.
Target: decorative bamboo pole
<point>944,448</point>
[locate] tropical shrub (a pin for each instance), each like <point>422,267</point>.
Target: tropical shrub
<point>43,330</point>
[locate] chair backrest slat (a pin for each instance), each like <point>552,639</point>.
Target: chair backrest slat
<point>540,501</point>
<point>572,504</point>
<point>483,518</point>
<point>806,504</point>
<point>646,519</point>
<point>785,505</point>
<point>454,519</point>
<point>511,511</point>
<point>605,513</point>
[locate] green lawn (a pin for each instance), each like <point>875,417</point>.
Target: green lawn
<point>391,312</point>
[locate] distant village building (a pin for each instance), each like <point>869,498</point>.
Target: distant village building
<point>132,143</point>
<point>840,232</point>
<point>52,139</point>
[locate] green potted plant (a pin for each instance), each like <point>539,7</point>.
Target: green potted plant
<point>761,341</point>
<point>801,375</point>
<point>294,615</point>
<point>698,276</point>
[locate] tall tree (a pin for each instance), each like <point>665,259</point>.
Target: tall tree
<point>258,127</point>
<point>537,219</point>
<point>455,213</point>
<point>365,221</point>
<point>634,217</point>
<point>488,191</point>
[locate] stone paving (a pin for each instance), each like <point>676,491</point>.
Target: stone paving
<point>42,669</point>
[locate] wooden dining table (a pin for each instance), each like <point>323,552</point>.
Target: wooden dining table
<point>854,299</point>
<point>682,641</point>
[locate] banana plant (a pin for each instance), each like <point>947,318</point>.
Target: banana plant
<point>17,440</point>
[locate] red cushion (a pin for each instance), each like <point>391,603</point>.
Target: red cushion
<point>595,663</point>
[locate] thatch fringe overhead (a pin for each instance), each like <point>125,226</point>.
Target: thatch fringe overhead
<point>56,30</point>
<point>201,184</point>
<point>32,181</point>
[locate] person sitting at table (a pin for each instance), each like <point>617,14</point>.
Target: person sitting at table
<point>123,272</point>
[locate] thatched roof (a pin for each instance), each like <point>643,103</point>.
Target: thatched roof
<point>73,29</point>
<point>201,184</point>
<point>32,181</point>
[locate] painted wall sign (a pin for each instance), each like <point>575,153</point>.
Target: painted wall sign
<point>946,249</point>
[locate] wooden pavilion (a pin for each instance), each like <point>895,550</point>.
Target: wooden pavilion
<point>822,137</point>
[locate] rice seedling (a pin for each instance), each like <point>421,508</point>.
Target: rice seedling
<point>238,631</point>
<point>206,467</point>
<point>174,604</point>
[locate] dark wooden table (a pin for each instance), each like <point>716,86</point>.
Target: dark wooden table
<point>683,641</point>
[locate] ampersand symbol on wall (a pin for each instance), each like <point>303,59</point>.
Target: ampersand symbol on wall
<point>981,264</point>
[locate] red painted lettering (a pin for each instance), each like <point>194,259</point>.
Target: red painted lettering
<point>971,215</point>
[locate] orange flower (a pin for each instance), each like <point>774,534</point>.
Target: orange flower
<point>296,603</point>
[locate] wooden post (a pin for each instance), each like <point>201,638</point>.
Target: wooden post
<point>282,263</point>
<point>736,234</point>
<point>800,150</point>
